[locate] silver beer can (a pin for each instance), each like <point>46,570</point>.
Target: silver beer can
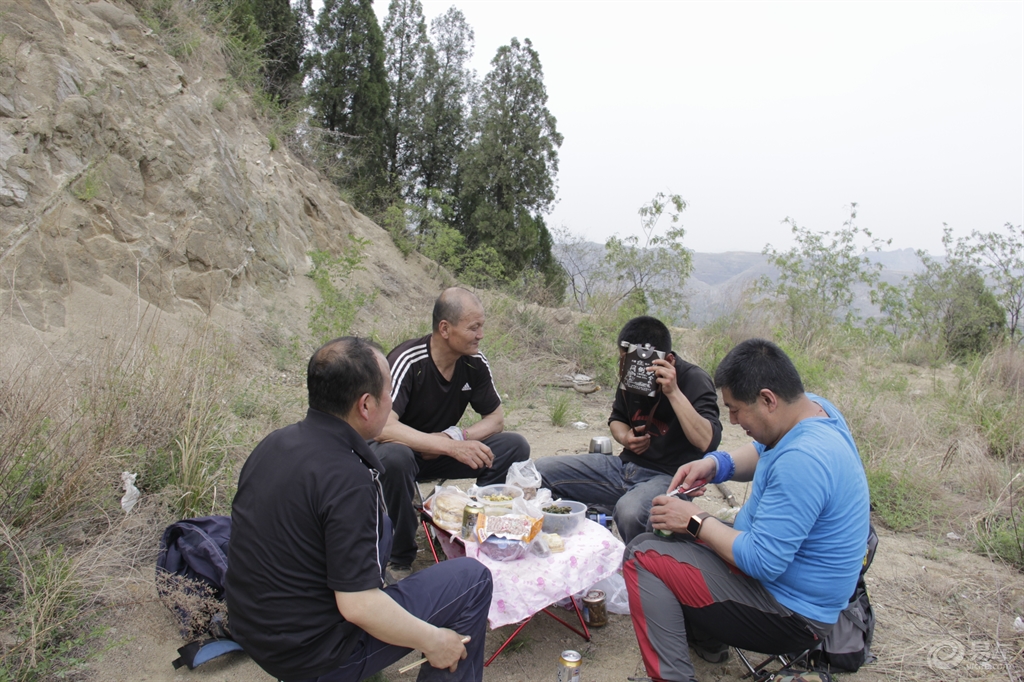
<point>569,664</point>
<point>470,513</point>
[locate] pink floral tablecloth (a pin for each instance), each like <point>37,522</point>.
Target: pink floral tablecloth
<point>525,586</point>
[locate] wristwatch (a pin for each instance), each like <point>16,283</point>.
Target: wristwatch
<point>695,523</point>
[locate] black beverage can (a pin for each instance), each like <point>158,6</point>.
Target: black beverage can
<point>470,513</point>
<point>569,664</point>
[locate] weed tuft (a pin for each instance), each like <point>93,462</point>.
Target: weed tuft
<point>87,188</point>
<point>559,407</point>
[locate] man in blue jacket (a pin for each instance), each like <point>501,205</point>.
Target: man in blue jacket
<point>777,579</point>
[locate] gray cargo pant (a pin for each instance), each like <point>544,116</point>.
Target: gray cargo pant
<point>681,592</point>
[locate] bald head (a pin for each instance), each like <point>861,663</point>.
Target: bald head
<point>452,304</point>
<point>340,372</point>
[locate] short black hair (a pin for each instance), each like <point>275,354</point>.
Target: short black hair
<point>450,306</point>
<point>342,370</point>
<point>757,364</point>
<point>646,330</point>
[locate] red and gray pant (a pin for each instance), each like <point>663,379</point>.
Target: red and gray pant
<point>681,591</point>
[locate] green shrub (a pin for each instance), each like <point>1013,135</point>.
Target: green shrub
<point>1003,537</point>
<point>333,315</point>
<point>594,350</point>
<point>901,501</point>
<point>817,372</point>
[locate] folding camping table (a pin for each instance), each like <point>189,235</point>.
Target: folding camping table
<point>526,586</point>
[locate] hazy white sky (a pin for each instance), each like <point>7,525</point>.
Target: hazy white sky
<point>755,111</point>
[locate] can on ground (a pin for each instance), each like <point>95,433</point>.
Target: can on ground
<point>569,664</point>
<point>597,614</point>
<point>470,513</point>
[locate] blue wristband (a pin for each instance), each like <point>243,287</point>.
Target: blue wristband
<point>726,466</point>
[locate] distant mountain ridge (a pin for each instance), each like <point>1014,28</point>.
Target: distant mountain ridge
<point>718,281</point>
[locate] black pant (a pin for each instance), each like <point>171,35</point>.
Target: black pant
<point>403,468</point>
<point>454,594</point>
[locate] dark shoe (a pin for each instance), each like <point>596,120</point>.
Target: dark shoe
<point>712,655</point>
<point>395,573</point>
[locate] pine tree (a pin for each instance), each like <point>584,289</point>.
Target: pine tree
<point>284,39</point>
<point>446,87</point>
<point>508,172</point>
<point>405,41</point>
<point>349,88</point>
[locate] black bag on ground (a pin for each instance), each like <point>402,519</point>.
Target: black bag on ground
<point>190,572</point>
<point>848,646</point>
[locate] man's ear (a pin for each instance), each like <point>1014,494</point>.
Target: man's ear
<point>768,399</point>
<point>363,406</point>
<point>444,328</point>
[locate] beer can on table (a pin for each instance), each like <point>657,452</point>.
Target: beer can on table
<point>569,666</point>
<point>597,613</point>
<point>470,513</point>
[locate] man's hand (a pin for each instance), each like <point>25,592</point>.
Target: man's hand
<point>672,513</point>
<point>472,453</point>
<point>665,375</point>
<point>637,444</point>
<point>690,473</point>
<point>447,651</point>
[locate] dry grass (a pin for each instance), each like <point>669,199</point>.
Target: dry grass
<point>193,603</point>
<point>945,615</point>
<point>151,401</point>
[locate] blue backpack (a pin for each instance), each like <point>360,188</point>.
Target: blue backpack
<point>190,574</point>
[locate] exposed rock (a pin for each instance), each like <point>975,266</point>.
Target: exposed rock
<point>115,166</point>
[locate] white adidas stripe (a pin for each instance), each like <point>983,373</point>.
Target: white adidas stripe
<point>402,364</point>
<point>484,358</point>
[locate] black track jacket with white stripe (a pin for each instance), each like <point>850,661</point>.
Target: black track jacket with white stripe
<point>425,401</point>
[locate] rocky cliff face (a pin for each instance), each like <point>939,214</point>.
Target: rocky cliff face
<point>125,170</point>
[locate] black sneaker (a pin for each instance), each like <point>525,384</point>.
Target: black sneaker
<point>712,655</point>
<point>394,573</point>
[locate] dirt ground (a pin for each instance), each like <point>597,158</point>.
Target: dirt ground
<point>943,613</point>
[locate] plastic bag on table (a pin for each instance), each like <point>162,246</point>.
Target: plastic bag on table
<point>531,508</point>
<point>445,507</point>
<point>524,475</point>
<point>543,498</point>
<point>539,546</point>
<point>616,599</point>
<point>503,549</point>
